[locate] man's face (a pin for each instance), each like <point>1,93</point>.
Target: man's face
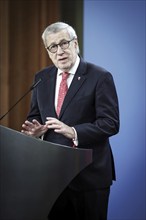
<point>63,59</point>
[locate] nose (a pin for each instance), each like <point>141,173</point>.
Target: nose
<point>59,50</point>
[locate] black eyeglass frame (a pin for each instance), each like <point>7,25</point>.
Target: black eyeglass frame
<point>60,44</point>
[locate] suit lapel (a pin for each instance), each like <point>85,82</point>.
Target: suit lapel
<point>48,88</point>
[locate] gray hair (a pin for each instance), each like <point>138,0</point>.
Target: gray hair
<point>55,28</point>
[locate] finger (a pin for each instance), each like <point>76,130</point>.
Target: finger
<point>53,126</point>
<point>44,127</point>
<point>29,124</point>
<point>26,132</point>
<point>35,122</point>
<point>52,120</point>
<point>24,126</point>
<point>58,131</point>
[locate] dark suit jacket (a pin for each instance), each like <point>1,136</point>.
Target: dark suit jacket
<point>91,107</point>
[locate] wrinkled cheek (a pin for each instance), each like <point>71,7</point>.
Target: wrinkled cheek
<point>55,62</point>
<point>53,58</point>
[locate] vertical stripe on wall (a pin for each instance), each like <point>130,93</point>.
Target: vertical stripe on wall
<point>22,52</point>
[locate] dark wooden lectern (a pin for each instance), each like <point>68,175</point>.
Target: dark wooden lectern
<point>33,173</point>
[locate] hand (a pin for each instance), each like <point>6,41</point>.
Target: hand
<point>34,128</point>
<point>60,127</point>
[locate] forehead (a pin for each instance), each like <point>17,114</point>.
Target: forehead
<point>57,37</point>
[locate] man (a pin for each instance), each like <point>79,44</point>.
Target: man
<point>87,118</point>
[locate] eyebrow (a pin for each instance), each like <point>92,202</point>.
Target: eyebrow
<point>53,43</point>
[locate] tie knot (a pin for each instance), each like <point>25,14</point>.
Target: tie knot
<point>65,75</point>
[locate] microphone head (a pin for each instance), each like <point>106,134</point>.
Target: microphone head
<point>35,84</point>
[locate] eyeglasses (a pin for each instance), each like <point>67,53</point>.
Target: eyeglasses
<point>64,45</point>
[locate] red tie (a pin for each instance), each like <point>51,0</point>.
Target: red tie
<point>62,91</point>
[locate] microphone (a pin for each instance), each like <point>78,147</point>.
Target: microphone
<point>30,89</point>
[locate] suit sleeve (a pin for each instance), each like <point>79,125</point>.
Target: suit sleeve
<point>106,121</point>
<point>34,112</point>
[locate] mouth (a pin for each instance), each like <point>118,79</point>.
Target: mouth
<point>62,59</point>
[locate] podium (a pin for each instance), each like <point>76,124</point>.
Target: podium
<point>33,173</point>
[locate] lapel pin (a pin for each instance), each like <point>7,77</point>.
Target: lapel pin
<point>79,78</point>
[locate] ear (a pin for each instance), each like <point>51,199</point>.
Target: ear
<point>76,42</point>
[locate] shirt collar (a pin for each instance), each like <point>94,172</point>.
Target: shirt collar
<point>73,69</point>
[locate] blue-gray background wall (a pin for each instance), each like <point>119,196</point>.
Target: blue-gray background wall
<point>114,38</point>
